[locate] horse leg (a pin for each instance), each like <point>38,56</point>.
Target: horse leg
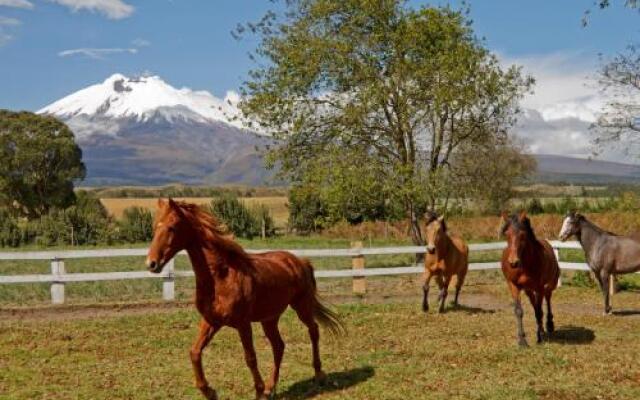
<point>425,290</point>
<point>205,335</point>
<point>305,314</point>
<point>443,283</point>
<point>536,302</point>
<point>246,336</point>
<point>550,326</point>
<point>605,276</point>
<point>270,329</point>
<point>459,282</point>
<point>517,309</point>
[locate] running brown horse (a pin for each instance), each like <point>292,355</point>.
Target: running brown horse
<point>529,264</point>
<point>446,256</point>
<point>235,289</point>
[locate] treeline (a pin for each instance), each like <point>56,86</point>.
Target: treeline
<point>87,222</point>
<point>627,201</point>
<point>185,191</point>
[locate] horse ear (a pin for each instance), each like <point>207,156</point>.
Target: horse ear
<point>505,216</point>
<point>522,215</point>
<point>172,204</point>
<point>441,218</point>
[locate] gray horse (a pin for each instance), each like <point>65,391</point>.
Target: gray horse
<point>606,252</point>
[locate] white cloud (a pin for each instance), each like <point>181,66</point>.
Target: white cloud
<point>96,54</point>
<point>565,102</point>
<point>140,42</point>
<point>17,4</point>
<point>113,9</point>
<point>4,21</point>
<point>5,27</point>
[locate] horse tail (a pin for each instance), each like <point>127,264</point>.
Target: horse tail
<point>323,315</point>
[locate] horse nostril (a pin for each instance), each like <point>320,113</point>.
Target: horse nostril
<point>152,265</point>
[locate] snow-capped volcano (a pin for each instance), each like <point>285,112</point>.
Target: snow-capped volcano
<point>143,98</point>
<point>145,131</point>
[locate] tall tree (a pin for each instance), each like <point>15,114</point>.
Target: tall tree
<point>408,86</point>
<point>40,162</point>
<point>619,121</point>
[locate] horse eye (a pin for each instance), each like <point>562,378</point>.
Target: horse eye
<point>172,229</point>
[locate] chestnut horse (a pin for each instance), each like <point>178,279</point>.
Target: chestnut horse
<point>235,289</point>
<point>529,264</point>
<point>446,256</point>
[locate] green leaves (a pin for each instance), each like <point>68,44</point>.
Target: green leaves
<point>40,161</point>
<point>407,87</point>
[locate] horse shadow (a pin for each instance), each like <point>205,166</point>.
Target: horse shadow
<point>572,335</point>
<point>468,309</point>
<point>308,388</point>
<point>626,313</point>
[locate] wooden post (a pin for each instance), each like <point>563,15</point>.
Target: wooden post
<point>57,286</point>
<point>357,263</point>
<point>168,282</point>
<point>556,252</point>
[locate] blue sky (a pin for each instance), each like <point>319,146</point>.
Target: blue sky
<point>188,42</point>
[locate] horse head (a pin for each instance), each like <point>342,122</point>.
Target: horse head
<point>518,230</point>
<point>436,230</point>
<point>170,233</point>
<point>570,225</point>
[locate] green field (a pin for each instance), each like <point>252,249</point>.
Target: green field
<point>391,351</point>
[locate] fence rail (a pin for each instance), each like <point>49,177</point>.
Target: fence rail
<point>58,277</point>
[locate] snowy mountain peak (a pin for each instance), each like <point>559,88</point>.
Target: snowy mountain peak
<point>143,98</point>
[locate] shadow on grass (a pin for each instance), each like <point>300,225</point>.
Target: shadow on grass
<point>468,309</point>
<point>626,313</point>
<point>572,335</point>
<point>308,388</point>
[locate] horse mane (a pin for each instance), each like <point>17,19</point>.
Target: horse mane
<point>594,226</point>
<point>525,225</point>
<point>214,233</point>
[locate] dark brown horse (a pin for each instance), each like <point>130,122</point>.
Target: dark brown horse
<point>529,264</point>
<point>235,289</point>
<point>607,254</point>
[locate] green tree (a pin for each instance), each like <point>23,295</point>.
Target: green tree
<point>136,225</point>
<point>40,162</point>
<point>405,86</point>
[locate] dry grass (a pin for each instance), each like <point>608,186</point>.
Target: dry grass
<point>391,351</point>
<point>277,205</point>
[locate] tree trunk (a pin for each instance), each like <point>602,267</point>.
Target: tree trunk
<point>416,232</point>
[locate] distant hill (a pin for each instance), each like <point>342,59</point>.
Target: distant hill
<point>554,168</point>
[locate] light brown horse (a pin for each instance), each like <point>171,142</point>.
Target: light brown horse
<point>235,289</point>
<point>446,256</point>
<point>529,264</point>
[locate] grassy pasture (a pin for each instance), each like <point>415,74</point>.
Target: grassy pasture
<point>276,204</point>
<point>391,351</point>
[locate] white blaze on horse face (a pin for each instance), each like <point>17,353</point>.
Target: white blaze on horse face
<point>565,231</point>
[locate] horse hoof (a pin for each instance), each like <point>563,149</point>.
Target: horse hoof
<point>320,378</point>
<point>550,328</point>
<point>523,343</point>
<point>209,393</point>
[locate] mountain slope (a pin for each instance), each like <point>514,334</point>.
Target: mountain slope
<point>144,131</point>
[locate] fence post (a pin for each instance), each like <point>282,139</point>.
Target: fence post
<point>168,282</point>
<point>556,252</point>
<point>57,286</point>
<point>357,263</point>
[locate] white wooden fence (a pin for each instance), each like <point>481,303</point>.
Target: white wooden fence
<point>58,276</point>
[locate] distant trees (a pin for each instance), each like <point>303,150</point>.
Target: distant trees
<point>39,161</point>
<point>398,91</point>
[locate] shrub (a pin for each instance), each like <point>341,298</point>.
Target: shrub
<point>534,206</point>
<point>239,219</point>
<point>136,225</point>
<point>10,233</point>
